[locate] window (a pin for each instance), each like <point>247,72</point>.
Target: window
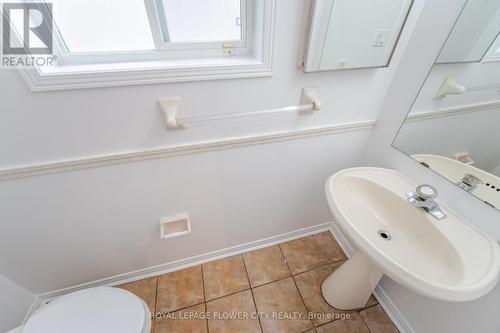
<point>109,29</point>
<point>216,20</point>
<point>87,26</point>
<point>167,40</point>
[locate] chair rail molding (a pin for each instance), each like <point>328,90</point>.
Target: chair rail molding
<point>453,111</point>
<point>176,150</point>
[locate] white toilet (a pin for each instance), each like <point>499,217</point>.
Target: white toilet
<point>95,310</point>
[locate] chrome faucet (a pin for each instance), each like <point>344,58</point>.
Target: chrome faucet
<point>423,197</point>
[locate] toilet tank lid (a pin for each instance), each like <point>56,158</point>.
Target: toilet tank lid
<point>96,310</point>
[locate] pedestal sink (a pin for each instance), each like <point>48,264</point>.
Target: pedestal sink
<point>445,259</point>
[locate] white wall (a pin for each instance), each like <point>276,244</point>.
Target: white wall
<point>69,228</point>
<point>15,302</point>
<point>423,314</point>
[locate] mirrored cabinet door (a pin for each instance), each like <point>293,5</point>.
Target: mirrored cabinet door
<point>348,34</point>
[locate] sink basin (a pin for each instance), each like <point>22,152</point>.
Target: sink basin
<point>445,259</point>
<point>455,170</point>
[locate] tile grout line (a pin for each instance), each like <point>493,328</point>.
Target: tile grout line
<point>251,292</point>
<point>285,260</point>
<point>184,308</point>
<point>322,266</point>
<point>268,283</point>
<point>206,320</point>
<point>204,295</point>
<point>231,294</point>
<point>369,307</point>
<point>298,290</point>
<point>372,306</point>
<point>153,322</point>
<point>364,322</point>
<point>203,284</point>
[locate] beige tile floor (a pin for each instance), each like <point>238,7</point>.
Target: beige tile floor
<point>272,290</point>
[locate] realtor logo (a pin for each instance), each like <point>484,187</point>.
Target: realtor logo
<point>27,28</point>
<point>27,35</point>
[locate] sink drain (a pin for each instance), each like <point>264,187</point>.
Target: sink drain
<point>384,235</point>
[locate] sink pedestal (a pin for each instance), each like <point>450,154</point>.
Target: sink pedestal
<point>351,285</point>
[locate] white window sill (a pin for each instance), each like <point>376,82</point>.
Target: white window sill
<point>146,72</point>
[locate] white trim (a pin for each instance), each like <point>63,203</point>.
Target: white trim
<point>171,151</point>
<point>259,64</point>
<point>152,73</point>
<point>164,50</point>
<point>453,111</point>
<point>158,21</point>
<point>495,57</point>
<point>154,22</point>
<point>319,22</point>
<point>383,299</point>
<point>392,311</point>
<point>190,262</point>
<point>37,303</point>
<point>493,53</point>
<point>304,34</point>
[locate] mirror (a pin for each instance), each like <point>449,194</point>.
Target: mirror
<point>453,127</point>
<point>473,34</point>
<point>348,34</point>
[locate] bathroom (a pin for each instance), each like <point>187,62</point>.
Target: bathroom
<point>249,166</point>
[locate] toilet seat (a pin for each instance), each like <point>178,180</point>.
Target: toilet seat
<point>96,310</point>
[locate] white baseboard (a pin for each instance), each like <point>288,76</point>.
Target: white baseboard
<point>379,293</point>
<point>392,311</point>
<point>189,262</point>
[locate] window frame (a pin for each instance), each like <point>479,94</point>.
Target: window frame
<point>164,50</point>
<point>493,53</point>
<point>157,20</point>
<point>153,67</point>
